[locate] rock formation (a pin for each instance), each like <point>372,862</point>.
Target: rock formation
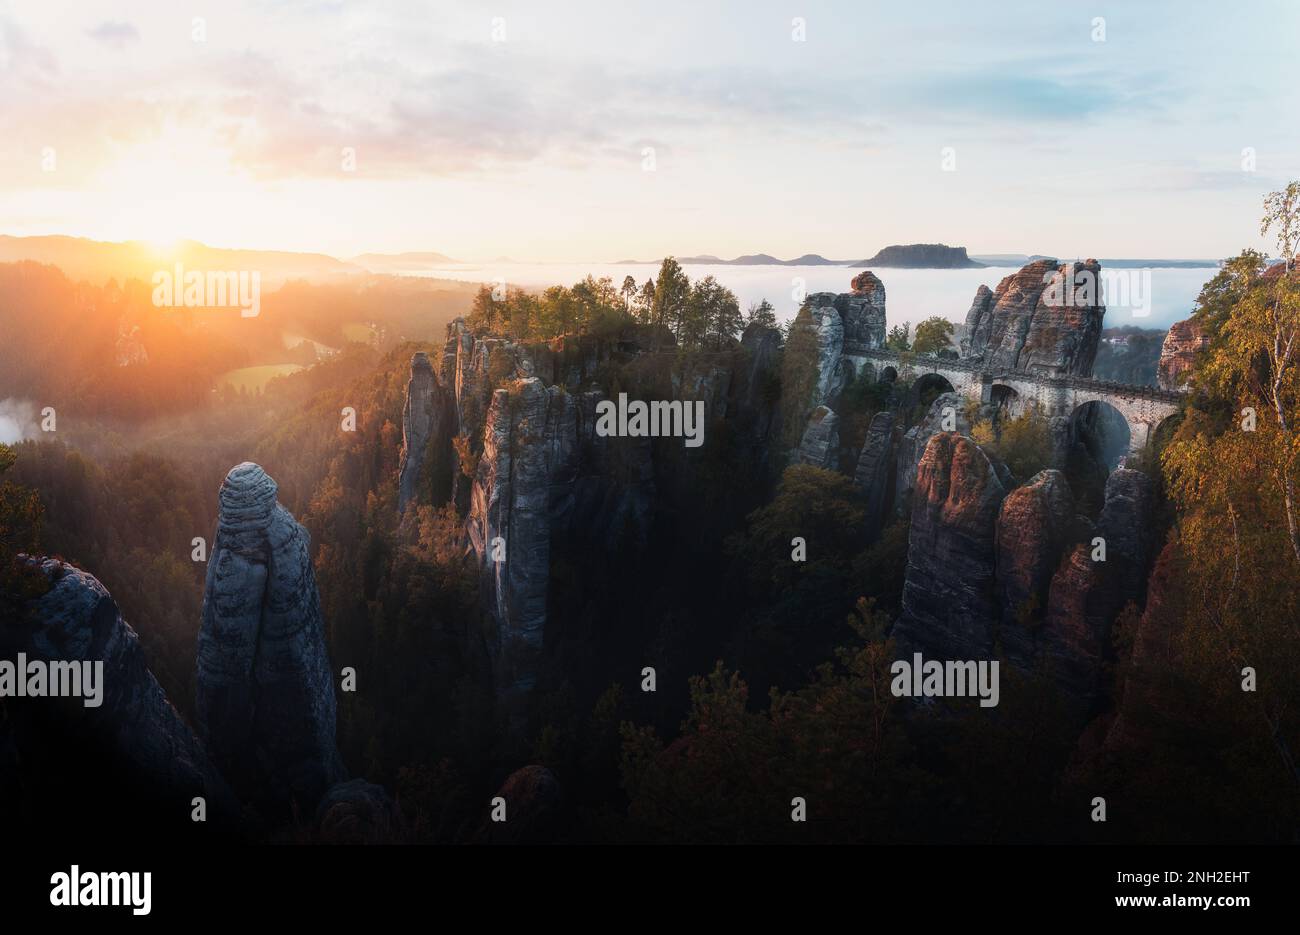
<point>526,439</point>
<point>913,443</point>
<point>145,745</point>
<point>1143,709</point>
<point>1033,527</point>
<point>978,324</point>
<point>875,473</point>
<point>1125,523</point>
<point>265,691</point>
<point>1184,340</point>
<point>832,369</point>
<point>422,421</point>
<point>1045,319</point>
<point>948,594</point>
<point>1085,595</point>
<point>863,310</point>
<point>821,440</point>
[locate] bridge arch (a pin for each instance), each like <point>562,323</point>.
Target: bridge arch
<point>930,386</point>
<point>1008,400</point>
<point>1104,432</point>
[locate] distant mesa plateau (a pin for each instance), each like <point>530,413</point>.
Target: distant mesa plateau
<point>922,256</point>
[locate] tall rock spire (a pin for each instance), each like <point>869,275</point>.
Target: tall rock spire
<point>421,420</point>
<point>265,691</point>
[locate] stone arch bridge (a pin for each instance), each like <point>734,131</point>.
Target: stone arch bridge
<point>1143,407</point>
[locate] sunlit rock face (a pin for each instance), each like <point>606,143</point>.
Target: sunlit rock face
<point>1184,340</point>
<point>949,597</point>
<point>134,733</point>
<point>424,420</point>
<point>1044,319</point>
<point>265,690</point>
<point>912,445</point>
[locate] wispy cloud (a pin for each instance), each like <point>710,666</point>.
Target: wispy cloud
<point>113,33</point>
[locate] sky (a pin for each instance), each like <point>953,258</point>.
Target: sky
<point>570,132</point>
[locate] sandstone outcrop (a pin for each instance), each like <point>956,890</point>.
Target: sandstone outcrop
<point>875,473</point>
<point>1085,595</point>
<point>913,443</point>
<point>423,420</point>
<point>977,325</point>
<point>543,469</point>
<point>1045,319</point>
<point>1183,341</point>
<point>821,440</point>
<point>863,309</point>
<point>1125,523</point>
<point>145,744</point>
<point>1033,526</point>
<point>832,369</point>
<point>265,691</point>
<point>949,594</point>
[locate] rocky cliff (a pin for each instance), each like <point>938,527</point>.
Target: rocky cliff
<point>265,690</point>
<point>134,738</point>
<point>1033,528</point>
<point>875,473</point>
<point>948,595</point>
<point>912,445</point>
<point>1045,319</point>
<point>542,470</point>
<point>423,419</point>
<point>821,440</point>
<point>1184,340</point>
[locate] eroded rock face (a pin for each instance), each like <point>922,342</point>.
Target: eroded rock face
<point>1045,319</point>
<point>949,596</point>
<point>1144,711</point>
<point>875,473</point>
<point>1033,526</point>
<point>146,742</point>
<point>543,469</point>
<point>976,319</point>
<point>832,372</point>
<point>863,310</point>
<point>1080,607</point>
<point>265,691</point>
<point>1125,522</point>
<point>422,420</point>
<point>821,439</point>
<point>1182,343</point>
<point>913,443</point>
